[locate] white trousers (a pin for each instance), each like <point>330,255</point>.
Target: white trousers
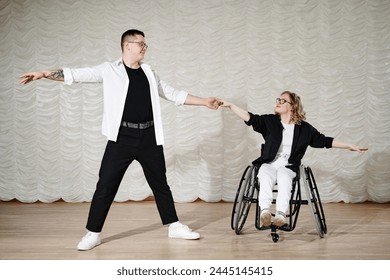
<point>268,175</point>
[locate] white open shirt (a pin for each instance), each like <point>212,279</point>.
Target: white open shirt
<point>115,85</point>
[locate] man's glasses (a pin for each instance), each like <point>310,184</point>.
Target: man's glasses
<point>141,44</point>
<point>282,101</point>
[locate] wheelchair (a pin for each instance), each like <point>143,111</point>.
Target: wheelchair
<point>247,194</point>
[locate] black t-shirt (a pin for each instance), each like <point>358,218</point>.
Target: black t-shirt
<point>138,106</point>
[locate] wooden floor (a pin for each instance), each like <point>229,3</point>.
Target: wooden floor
<point>133,231</point>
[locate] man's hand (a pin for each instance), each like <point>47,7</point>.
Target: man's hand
<point>213,103</point>
<point>29,77</point>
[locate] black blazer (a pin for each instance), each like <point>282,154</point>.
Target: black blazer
<point>271,129</point>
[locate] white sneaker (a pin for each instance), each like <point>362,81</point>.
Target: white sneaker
<point>89,241</point>
<point>280,219</point>
<point>178,230</point>
<point>265,217</point>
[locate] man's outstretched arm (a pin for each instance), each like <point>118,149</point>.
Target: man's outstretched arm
<point>209,102</point>
<point>55,75</point>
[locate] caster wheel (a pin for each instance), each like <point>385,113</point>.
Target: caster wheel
<point>275,237</point>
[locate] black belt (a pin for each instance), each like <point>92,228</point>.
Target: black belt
<point>144,125</point>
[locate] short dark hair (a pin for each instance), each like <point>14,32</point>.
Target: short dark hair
<point>130,33</point>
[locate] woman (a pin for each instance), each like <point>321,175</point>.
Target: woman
<point>287,137</point>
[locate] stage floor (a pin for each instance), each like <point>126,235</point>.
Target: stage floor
<point>133,230</point>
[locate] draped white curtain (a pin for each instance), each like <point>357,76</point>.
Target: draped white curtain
<point>334,54</point>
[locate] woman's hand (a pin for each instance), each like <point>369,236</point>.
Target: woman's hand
<point>357,149</point>
<point>225,104</point>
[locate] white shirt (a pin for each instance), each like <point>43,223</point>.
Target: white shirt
<point>284,151</point>
<point>288,133</point>
<point>115,85</point>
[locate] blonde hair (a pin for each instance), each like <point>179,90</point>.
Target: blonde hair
<point>298,114</point>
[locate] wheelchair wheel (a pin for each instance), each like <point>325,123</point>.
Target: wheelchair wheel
<point>316,196</point>
<point>295,205</point>
<point>244,198</point>
<point>238,197</point>
<point>314,201</point>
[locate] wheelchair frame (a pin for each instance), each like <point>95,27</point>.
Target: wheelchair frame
<point>247,194</point>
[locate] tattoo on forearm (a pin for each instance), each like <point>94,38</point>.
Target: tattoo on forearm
<point>57,75</point>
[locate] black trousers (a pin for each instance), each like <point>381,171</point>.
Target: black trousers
<point>132,144</point>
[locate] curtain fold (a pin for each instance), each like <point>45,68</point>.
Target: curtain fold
<point>334,54</point>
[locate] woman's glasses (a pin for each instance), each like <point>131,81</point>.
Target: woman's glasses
<point>282,101</point>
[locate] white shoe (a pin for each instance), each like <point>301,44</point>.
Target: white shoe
<point>89,241</point>
<point>280,219</point>
<point>178,230</point>
<point>265,217</point>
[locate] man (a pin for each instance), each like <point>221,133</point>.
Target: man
<point>133,126</point>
